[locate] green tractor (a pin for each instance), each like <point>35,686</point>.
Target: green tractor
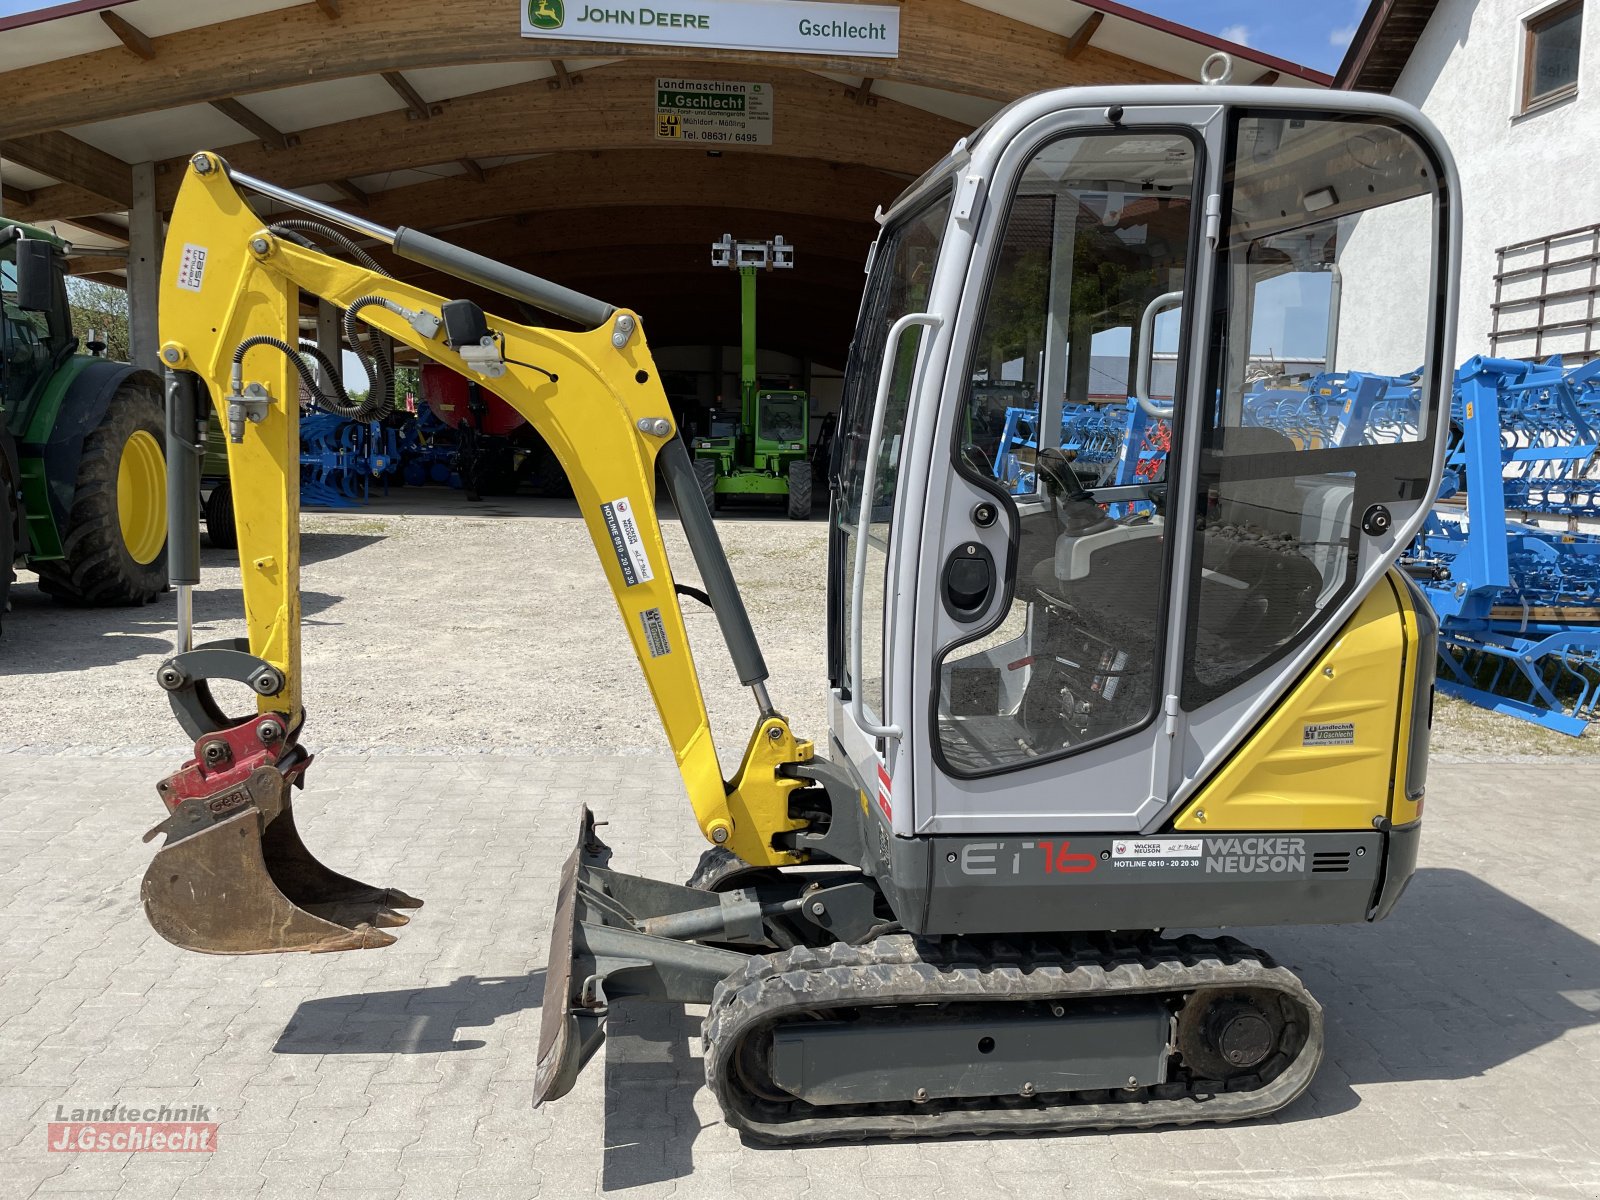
<point>83,470</point>
<point>763,449</point>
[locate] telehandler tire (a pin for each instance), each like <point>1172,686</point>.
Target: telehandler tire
<point>8,537</point>
<point>705,473</point>
<point>221,532</point>
<point>799,491</point>
<point>115,542</point>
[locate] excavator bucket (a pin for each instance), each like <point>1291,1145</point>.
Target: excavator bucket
<point>233,876</point>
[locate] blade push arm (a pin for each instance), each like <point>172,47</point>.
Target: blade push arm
<point>595,397</point>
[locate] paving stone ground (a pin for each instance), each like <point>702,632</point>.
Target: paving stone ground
<point>1462,1034</point>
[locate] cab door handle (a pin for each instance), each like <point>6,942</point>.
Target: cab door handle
<point>968,581</point>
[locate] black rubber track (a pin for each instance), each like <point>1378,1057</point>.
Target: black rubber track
<point>221,531</point>
<point>799,491</point>
<point>899,969</point>
<point>96,568</point>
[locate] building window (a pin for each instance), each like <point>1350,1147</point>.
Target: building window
<point>1550,63</point>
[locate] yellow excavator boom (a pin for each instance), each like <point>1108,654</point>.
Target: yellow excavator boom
<point>231,289</point>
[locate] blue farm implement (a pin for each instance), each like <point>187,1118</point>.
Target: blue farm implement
<point>339,459</point>
<point>1519,603</point>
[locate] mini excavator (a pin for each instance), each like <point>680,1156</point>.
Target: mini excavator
<point>1174,683</point>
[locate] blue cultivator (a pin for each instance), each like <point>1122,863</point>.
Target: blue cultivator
<point>1519,605</point>
<point>339,458</point>
<point>1095,435</point>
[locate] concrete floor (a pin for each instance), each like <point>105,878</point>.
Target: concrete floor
<point>1460,1031</point>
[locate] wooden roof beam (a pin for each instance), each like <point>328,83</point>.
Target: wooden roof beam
<point>12,196</point>
<point>129,35</point>
<point>564,78</point>
<point>639,178</point>
<point>863,94</point>
<point>330,8</point>
<point>939,42</point>
<point>473,168</point>
<point>350,192</point>
<point>64,157</point>
<point>60,202</point>
<point>1266,80</point>
<point>266,132</point>
<point>100,228</point>
<point>95,264</point>
<point>1081,36</point>
<point>419,108</point>
<point>528,118</point>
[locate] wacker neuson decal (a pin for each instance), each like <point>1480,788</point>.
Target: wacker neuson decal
<point>1255,855</point>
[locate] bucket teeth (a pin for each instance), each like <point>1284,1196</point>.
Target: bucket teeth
<point>234,878</point>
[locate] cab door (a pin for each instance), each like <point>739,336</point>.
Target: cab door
<point>885,389</point>
<point>1124,562</point>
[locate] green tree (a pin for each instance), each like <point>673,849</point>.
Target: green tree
<point>102,308</point>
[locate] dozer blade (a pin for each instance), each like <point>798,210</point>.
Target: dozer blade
<point>600,952</point>
<point>235,878</point>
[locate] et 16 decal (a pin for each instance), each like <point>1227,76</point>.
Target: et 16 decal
<point>992,858</point>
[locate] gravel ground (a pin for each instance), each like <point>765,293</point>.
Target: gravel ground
<point>437,626</point>
<point>433,625</point>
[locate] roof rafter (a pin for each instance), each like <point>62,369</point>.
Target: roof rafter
<point>939,42</point>
<point>636,179</point>
<point>63,157</point>
<point>1082,36</point>
<point>260,126</point>
<point>530,119</point>
<point>129,35</point>
<point>419,108</point>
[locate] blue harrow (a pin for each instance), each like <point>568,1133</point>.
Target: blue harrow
<point>1518,602</point>
<point>340,458</point>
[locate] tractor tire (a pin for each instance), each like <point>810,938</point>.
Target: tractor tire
<point>705,473</point>
<point>115,543</point>
<point>221,532</point>
<point>799,491</point>
<point>8,538</point>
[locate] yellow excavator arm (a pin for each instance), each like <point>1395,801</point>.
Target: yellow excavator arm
<point>230,297</point>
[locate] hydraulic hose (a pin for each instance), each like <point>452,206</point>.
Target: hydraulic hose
<point>288,228</point>
<point>339,402</point>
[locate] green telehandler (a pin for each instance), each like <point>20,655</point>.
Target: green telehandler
<point>763,449</point>
<point>83,471</point>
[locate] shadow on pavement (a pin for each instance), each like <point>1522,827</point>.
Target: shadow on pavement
<point>43,637</point>
<point>651,1082</point>
<point>408,1021</point>
<point>1463,979</point>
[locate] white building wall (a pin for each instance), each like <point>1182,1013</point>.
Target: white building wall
<point>1522,176</point>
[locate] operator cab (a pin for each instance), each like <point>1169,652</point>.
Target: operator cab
<point>1090,506</point>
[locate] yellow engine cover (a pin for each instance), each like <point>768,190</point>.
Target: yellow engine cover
<point>1331,755</point>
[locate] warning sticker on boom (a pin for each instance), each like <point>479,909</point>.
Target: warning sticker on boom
<point>655,632</point>
<point>192,267</point>
<point>1342,734</point>
<point>626,541</point>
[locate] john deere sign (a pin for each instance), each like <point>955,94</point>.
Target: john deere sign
<point>788,26</point>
